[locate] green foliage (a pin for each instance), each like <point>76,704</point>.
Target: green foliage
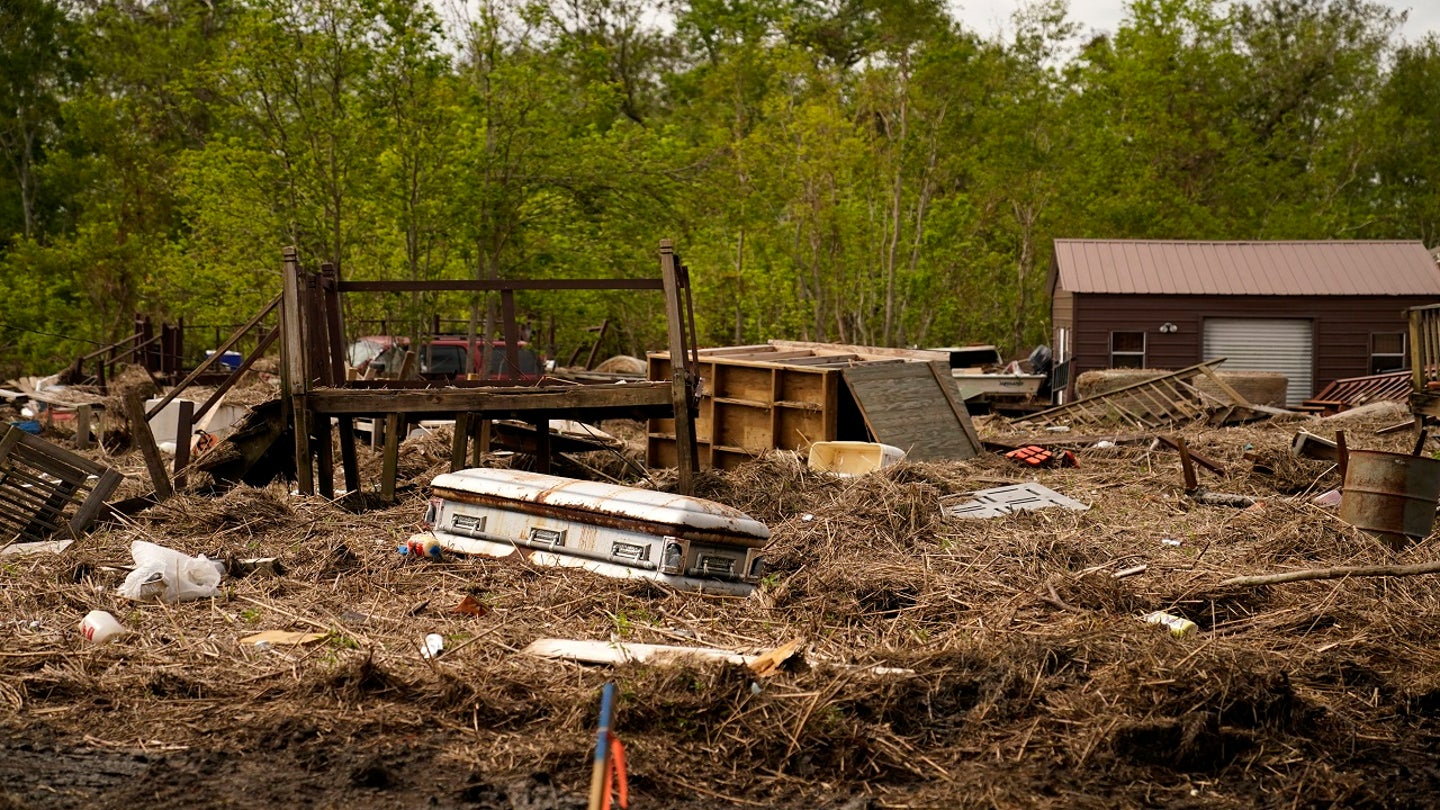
<point>853,170</point>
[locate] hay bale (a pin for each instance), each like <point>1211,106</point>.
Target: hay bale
<point>1105,380</point>
<point>623,364</point>
<point>1258,387</point>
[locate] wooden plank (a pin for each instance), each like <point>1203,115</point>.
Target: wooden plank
<point>84,424</point>
<point>542,445</point>
<point>1203,461</point>
<point>295,381</point>
<point>681,368</point>
<point>214,358</point>
<point>459,441</point>
<point>234,377</point>
<point>945,381</point>
<point>907,406</point>
<point>1236,398</point>
<point>91,506</point>
<point>184,422</point>
<point>867,352</point>
<point>491,285</point>
<point>391,458</point>
<point>1066,411</point>
<point>512,402</point>
<point>140,431</point>
<point>324,459</point>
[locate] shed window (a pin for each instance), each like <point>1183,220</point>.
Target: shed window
<point>1387,352</point>
<point>1127,350</point>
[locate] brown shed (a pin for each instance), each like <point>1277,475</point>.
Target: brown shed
<point>1314,311</point>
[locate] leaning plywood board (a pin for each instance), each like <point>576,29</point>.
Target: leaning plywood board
<point>915,407</point>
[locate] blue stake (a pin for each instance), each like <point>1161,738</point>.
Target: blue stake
<point>602,747</point>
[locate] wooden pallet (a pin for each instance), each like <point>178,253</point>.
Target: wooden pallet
<point>40,484</point>
<point>1154,403</point>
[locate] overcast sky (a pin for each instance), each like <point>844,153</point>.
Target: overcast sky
<point>988,17</point>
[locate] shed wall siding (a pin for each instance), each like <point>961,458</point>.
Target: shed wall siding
<point>1062,309</point>
<point>1343,326</point>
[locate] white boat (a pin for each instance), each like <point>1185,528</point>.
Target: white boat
<point>689,543</point>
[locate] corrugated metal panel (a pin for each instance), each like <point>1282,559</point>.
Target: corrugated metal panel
<point>1266,344</point>
<point>1246,268</point>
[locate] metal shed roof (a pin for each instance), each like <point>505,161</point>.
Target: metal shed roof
<point>1246,268</point>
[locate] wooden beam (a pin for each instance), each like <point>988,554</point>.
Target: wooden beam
<point>234,377</point>
<point>296,380</point>
<point>84,425</point>
<point>391,458</point>
<point>459,442</point>
<point>681,368</point>
<point>145,440</point>
<point>1176,444</point>
<point>214,358</point>
<point>510,401</point>
<point>483,285</point>
<point>184,421</point>
<point>511,330</point>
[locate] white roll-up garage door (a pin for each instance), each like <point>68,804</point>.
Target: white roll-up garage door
<point>1264,344</point>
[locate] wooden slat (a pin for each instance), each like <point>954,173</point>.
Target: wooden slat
<point>908,406</point>
<point>140,432</point>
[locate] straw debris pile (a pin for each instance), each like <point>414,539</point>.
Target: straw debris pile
<point>947,662</point>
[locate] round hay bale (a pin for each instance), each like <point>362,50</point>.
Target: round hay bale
<point>623,364</point>
<point>1259,387</point>
<point>1105,380</point>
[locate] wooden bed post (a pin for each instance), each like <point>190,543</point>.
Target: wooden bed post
<point>682,370</point>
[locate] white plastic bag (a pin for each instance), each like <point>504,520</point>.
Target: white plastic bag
<point>168,575</point>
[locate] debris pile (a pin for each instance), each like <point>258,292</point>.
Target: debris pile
<point>1121,654</point>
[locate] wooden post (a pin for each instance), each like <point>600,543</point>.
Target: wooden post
<point>295,379</point>
<point>459,443</point>
<point>481,445</point>
<point>542,444</point>
<point>1187,466</point>
<point>681,368</point>
<point>145,440</point>
<point>1342,455</point>
<point>184,421</point>
<point>329,283</point>
<point>83,426</point>
<point>512,334</point>
<point>391,460</point>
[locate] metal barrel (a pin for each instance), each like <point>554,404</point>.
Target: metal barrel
<point>1391,494</point>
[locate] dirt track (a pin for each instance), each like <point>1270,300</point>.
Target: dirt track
<point>1034,681</point>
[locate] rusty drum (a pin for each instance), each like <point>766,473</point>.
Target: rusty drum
<point>1391,494</point>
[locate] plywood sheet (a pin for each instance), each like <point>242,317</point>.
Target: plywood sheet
<point>915,407</point>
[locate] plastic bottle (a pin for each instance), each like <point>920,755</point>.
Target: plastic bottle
<point>100,626</point>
